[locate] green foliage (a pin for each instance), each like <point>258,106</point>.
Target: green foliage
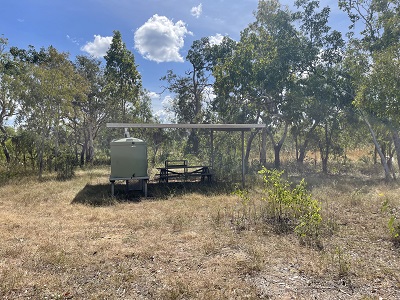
<point>394,222</point>
<point>122,77</point>
<point>65,165</point>
<point>289,209</point>
<point>292,206</point>
<point>394,227</point>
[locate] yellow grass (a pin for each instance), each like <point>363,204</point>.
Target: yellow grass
<point>69,240</point>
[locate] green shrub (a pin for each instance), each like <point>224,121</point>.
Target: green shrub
<point>294,207</point>
<point>394,228</point>
<point>65,164</point>
<point>394,222</point>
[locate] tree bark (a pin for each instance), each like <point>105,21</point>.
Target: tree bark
<point>3,144</point>
<point>324,151</point>
<point>388,177</point>
<point>278,146</point>
<point>396,141</point>
<point>303,147</point>
<point>248,148</point>
<point>90,145</point>
<point>263,151</point>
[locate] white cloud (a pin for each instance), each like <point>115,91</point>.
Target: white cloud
<point>160,40</point>
<point>154,96</point>
<point>209,93</point>
<point>216,39</point>
<point>162,108</point>
<point>98,48</point>
<point>167,102</point>
<point>73,40</point>
<point>197,10</point>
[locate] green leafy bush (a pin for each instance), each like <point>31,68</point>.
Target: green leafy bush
<point>291,208</point>
<point>394,222</point>
<point>65,164</point>
<point>394,228</point>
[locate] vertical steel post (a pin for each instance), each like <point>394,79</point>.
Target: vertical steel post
<point>212,149</point>
<point>243,180</point>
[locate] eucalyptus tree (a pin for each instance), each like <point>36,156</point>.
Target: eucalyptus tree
<point>8,98</point>
<point>49,85</point>
<point>123,79</point>
<point>320,104</point>
<point>254,83</point>
<point>90,111</point>
<point>235,88</point>
<point>379,95</point>
<point>190,90</point>
<point>373,62</point>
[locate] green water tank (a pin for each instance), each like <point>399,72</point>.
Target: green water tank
<point>128,158</point>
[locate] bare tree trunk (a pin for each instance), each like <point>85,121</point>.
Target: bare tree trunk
<point>388,177</point>
<point>82,156</point>
<point>278,146</point>
<point>3,144</point>
<point>40,158</point>
<point>263,151</point>
<point>248,148</point>
<point>396,141</point>
<point>324,151</point>
<point>90,144</point>
<point>303,147</point>
<point>5,150</point>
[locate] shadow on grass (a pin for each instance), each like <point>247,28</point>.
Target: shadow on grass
<point>95,195</point>
<point>172,189</point>
<point>100,194</point>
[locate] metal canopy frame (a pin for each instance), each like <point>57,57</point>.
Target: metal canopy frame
<point>212,127</point>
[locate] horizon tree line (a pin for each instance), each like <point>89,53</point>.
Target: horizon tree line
<point>290,70</point>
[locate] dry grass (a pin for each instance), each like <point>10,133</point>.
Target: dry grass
<point>69,240</point>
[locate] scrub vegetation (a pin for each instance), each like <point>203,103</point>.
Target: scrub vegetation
<point>70,240</point>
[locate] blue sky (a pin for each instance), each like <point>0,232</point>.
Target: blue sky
<point>159,33</point>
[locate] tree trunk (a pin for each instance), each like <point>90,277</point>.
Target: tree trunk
<point>396,141</point>
<point>3,144</point>
<point>303,147</point>
<point>83,151</point>
<point>40,159</point>
<point>90,145</point>
<point>388,177</point>
<point>302,152</point>
<point>5,150</point>
<point>277,160</point>
<point>263,151</point>
<point>248,148</point>
<point>278,146</point>
<point>324,160</point>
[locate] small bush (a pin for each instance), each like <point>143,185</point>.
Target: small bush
<point>66,164</point>
<point>394,222</point>
<point>394,229</point>
<point>287,208</point>
<point>292,206</point>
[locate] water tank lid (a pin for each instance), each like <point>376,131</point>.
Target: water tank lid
<point>128,140</point>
